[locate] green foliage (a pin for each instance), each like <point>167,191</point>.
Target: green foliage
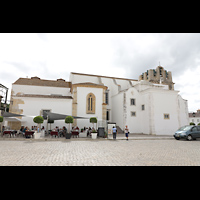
<point>94,131</point>
<point>38,119</point>
<point>69,120</point>
<point>192,123</point>
<point>1,119</point>
<point>93,120</point>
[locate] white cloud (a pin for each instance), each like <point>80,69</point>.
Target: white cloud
<point>188,84</point>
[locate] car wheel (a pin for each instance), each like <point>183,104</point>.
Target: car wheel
<point>189,137</point>
<point>177,138</point>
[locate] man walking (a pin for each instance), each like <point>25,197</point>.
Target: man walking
<point>114,130</point>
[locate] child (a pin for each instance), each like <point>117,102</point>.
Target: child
<point>126,132</point>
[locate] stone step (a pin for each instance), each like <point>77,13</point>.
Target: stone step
<point>119,130</point>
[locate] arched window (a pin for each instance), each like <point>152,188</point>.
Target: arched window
<point>90,101</point>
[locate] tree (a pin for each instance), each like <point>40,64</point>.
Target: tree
<point>93,120</point>
<point>39,120</point>
<point>69,120</point>
<point>1,119</point>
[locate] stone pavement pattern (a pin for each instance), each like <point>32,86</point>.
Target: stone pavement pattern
<point>99,152</point>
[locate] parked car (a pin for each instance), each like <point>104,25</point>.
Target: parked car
<point>188,132</point>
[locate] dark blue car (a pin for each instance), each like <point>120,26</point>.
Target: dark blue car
<point>188,132</point>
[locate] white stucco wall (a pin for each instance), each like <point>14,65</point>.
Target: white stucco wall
<point>76,78</point>
<point>183,111</point>
<point>42,90</point>
<point>33,106</point>
<point>165,103</point>
<point>82,93</point>
<point>157,101</point>
<point>134,122</point>
<point>117,110</point>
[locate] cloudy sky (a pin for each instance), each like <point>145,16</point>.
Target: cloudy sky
<point>55,55</point>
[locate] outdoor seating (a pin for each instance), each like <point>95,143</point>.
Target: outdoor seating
<point>50,133</point>
<point>62,133</point>
<point>54,133</point>
<point>10,132</point>
<point>28,133</point>
<point>7,132</point>
<point>75,133</point>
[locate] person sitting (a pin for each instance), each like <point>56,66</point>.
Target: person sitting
<point>20,131</point>
<point>25,129</point>
<point>64,131</point>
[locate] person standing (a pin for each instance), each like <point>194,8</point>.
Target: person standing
<point>114,130</point>
<point>126,132</point>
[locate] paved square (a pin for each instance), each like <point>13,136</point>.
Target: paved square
<point>99,152</point>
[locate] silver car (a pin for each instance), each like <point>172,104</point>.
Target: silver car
<point>188,132</point>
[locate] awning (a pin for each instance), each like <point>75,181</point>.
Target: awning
<point>13,119</point>
<point>8,114</point>
<point>57,116</point>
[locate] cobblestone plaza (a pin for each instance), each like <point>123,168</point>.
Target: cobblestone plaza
<point>100,152</point>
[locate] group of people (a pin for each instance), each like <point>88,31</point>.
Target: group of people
<point>114,131</point>
<point>61,131</point>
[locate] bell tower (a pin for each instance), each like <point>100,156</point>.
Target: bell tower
<point>158,76</point>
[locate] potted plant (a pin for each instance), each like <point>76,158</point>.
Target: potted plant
<point>39,120</point>
<point>69,120</point>
<point>93,120</point>
<point>94,134</point>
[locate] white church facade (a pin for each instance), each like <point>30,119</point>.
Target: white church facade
<point>149,105</point>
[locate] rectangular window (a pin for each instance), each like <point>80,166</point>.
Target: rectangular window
<point>143,107</point>
<point>107,115</point>
<point>88,104</point>
<point>166,116</point>
<point>133,114</point>
<point>132,102</point>
<point>106,97</point>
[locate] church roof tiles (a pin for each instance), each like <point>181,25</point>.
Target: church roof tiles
<point>42,82</point>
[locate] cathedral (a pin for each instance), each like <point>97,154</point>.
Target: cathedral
<point>147,105</point>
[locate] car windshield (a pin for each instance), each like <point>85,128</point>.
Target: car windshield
<point>185,128</point>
